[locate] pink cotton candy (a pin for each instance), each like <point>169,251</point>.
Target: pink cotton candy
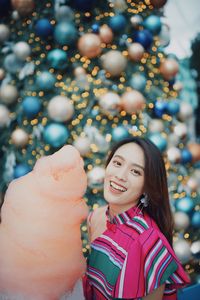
<point>40,243</point>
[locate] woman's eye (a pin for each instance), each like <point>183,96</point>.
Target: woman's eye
<point>116,163</point>
<point>135,172</point>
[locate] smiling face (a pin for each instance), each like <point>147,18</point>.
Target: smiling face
<point>124,177</point>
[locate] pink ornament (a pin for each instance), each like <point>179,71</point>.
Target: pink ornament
<point>135,51</point>
<point>133,101</point>
<point>89,45</point>
<point>106,34</point>
<point>169,68</point>
<point>24,7</point>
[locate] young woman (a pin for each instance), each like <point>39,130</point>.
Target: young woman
<point>131,238</point>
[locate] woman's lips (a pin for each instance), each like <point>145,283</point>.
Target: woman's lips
<point>116,188</point>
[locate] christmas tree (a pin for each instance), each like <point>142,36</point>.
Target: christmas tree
<point>90,73</point>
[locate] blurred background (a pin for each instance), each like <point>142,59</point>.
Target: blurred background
<point>90,73</point>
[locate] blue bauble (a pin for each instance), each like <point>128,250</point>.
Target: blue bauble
<point>57,59</point>
<point>21,170</point>
<point>95,28</point>
<point>45,81</point>
<point>138,82</point>
<point>119,133</point>
<point>44,28</point>
<point>117,23</point>
<point>55,134</point>
<point>196,219</point>
<point>159,141</point>
<point>31,106</point>
<point>83,5</point>
<point>65,33</point>
<point>144,37</point>
<point>153,24</point>
<point>12,64</point>
<point>173,107</point>
<point>160,108</point>
<point>185,205</point>
<point>5,7</point>
<point>186,156</point>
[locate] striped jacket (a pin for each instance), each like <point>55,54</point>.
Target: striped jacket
<point>130,259</point>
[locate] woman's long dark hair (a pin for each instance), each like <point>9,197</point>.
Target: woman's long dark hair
<point>155,184</point>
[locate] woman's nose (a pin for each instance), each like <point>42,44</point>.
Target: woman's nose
<point>122,174</point>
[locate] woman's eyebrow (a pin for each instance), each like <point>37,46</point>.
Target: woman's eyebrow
<point>133,164</point>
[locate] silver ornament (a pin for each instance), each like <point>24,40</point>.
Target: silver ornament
<point>4,33</point>
<point>64,13</point>
<point>19,137</point>
<point>174,154</point>
<point>82,144</point>
<point>96,178</point>
<point>12,64</point>
<point>182,250</point>
<point>8,94</point>
<point>60,109</point>
<point>195,249</point>
<point>136,21</point>
<point>181,220</point>
<point>109,102</point>
<point>22,50</point>
<point>4,116</point>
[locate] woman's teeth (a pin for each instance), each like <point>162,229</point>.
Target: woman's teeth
<point>117,187</point>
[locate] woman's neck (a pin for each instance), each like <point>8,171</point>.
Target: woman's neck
<point>118,209</point>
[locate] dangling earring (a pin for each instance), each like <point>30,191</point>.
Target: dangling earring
<point>145,200</point>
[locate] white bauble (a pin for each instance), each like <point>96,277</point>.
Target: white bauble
<point>19,137</point>
<point>4,116</point>
<point>96,178</point>
<point>193,183</point>
<point>186,111</point>
<point>82,144</point>
<point>136,21</point>
<point>173,140</point>
<point>110,102</point>
<point>8,94</point>
<point>195,249</point>
<point>60,109</point>
<point>2,73</point>
<point>4,33</point>
<point>114,62</point>
<point>180,130</point>
<point>22,50</point>
<point>174,154</point>
<point>156,125</point>
<point>181,220</point>
<point>182,250</point>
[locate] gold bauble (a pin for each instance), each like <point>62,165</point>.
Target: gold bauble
<point>114,62</point>
<point>194,148</point>
<point>135,51</point>
<point>133,101</point>
<point>169,68</point>
<point>24,7</point>
<point>19,137</point>
<point>106,34</point>
<point>89,45</point>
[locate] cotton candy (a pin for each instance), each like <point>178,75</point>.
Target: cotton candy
<point>40,243</point>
